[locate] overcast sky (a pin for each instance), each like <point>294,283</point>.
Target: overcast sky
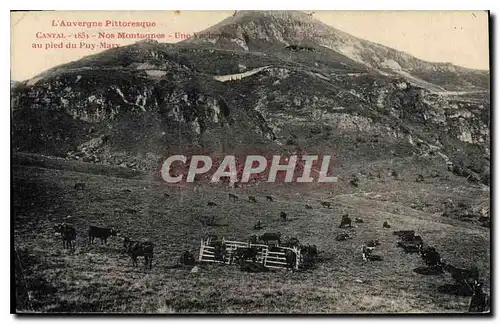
<point>460,37</point>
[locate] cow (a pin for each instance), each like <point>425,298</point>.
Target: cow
<point>245,253</point>
<point>269,198</point>
<point>358,220</point>
<point>136,249</point>
<point>291,260</point>
<point>233,197</point>
<point>464,277</point>
<point>345,222</point>
<point>252,199</point>
<point>342,237</point>
<point>211,203</point>
<point>68,235</point>
<point>309,250</point>
<point>479,301</point>
<point>283,217</point>
<point>373,243</point>
<point>308,206</point>
<point>257,225</point>
<point>326,204</point>
<point>102,233</point>
<point>386,225</point>
<point>420,178</point>
<point>187,258</point>
<point>79,186</point>
<point>411,238</point>
<point>432,258</point>
<point>267,237</point>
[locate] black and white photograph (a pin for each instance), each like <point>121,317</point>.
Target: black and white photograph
<point>250,162</point>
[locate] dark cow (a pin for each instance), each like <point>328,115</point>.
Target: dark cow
<point>233,197</point>
<point>211,203</point>
<point>373,243</point>
<point>326,204</point>
<point>257,225</point>
<point>187,258</point>
<point>68,235</point>
<point>420,178</point>
<point>245,253</point>
<point>342,237</point>
<point>283,217</point>
<point>465,277</point>
<point>308,206</point>
<point>269,198</point>
<point>479,301</point>
<point>102,233</point>
<point>346,221</point>
<point>432,258</point>
<point>252,199</point>
<point>79,186</point>
<point>267,237</point>
<point>311,250</point>
<point>136,249</point>
<point>386,225</point>
<point>366,252</point>
<point>411,238</point>
<point>358,220</point>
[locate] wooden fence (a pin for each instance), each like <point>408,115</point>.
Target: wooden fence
<point>270,259</point>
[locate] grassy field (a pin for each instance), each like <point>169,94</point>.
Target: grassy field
<point>101,278</point>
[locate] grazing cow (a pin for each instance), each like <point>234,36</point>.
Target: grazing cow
<point>269,237</point>
<point>136,249</point>
<point>411,238</point>
<point>283,217</point>
<point>252,199</point>
<point>233,197</point>
<point>373,243</point>
<point>68,235</point>
<point>257,225</point>
<point>386,225</point>
<point>358,220</point>
<point>326,204</point>
<point>211,203</point>
<point>187,258</point>
<point>102,233</point>
<point>80,186</point>
<point>432,258</point>
<point>465,277</point>
<point>269,198</point>
<point>342,237</point>
<point>245,253</point>
<point>345,222</point>
<point>309,250</point>
<point>479,301</point>
<point>291,260</point>
<point>308,206</point>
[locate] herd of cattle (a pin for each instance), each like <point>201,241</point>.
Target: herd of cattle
<point>467,280</point>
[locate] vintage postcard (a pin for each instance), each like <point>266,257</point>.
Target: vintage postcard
<point>250,162</point>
